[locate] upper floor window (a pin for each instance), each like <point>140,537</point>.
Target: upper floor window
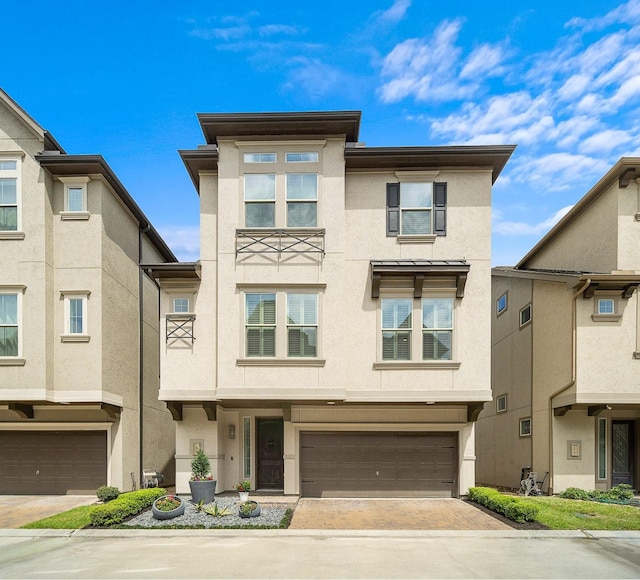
<point>75,198</point>
<point>9,327</point>
<point>302,324</point>
<point>180,305</point>
<point>260,324</point>
<point>9,194</point>
<point>525,315</point>
<point>260,200</point>
<point>437,328</point>
<point>396,328</point>
<point>302,200</point>
<point>303,157</point>
<point>416,209</point>
<point>75,316</point>
<point>606,306</point>
<point>259,157</point>
<point>501,304</point>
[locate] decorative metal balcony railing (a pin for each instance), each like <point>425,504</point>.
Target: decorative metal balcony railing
<point>280,241</point>
<point>180,327</point>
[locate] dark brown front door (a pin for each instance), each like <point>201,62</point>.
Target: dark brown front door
<point>52,462</point>
<point>270,443</point>
<point>623,449</point>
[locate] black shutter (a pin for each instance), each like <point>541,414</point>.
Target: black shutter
<point>440,208</point>
<point>393,209</point>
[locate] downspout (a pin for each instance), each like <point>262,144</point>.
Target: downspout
<point>141,232</point>
<point>573,375</point>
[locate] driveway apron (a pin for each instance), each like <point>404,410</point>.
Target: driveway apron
<point>391,514</point>
<point>18,510</point>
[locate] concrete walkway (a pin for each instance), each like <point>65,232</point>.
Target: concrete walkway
<point>391,514</point>
<point>19,510</point>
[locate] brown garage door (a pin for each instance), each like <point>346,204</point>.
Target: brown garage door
<point>339,464</point>
<point>52,462</point>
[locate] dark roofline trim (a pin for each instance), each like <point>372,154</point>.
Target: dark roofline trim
<point>87,164</point>
<point>196,160</point>
<point>184,270</point>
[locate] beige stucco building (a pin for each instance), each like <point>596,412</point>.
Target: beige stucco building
<point>78,321</point>
<point>334,338</point>
<point>566,349</point>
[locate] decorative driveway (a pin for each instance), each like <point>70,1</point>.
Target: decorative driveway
<point>391,514</point>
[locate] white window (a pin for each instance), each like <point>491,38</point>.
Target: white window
<point>9,327</point>
<point>501,304</point>
<point>501,404</point>
<point>181,305</point>
<point>302,200</point>
<point>282,325</point>
<point>525,427</point>
<point>302,324</point>
<point>75,197</point>
<point>396,328</point>
<point>9,195</point>
<point>606,306</point>
<point>75,314</point>
<point>260,200</point>
<point>437,328</point>
<point>416,202</point>
<point>525,315</point>
<point>303,157</point>
<point>259,157</point>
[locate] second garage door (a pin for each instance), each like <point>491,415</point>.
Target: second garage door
<point>380,464</point>
<point>52,462</point>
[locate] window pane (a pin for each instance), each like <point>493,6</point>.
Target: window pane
<point>260,215</point>
<point>302,309</point>
<point>181,305</point>
<point>8,341</point>
<point>396,313</point>
<point>605,306</point>
<point>302,186</point>
<point>416,222</point>
<point>261,341</point>
<point>436,345</point>
<point>246,438</point>
<point>396,345</point>
<point>75,199</point>
<point>437,313</point>
<point>8,219</point>
<point>602,449</point>
<point>75,316</point>
<point>302,341</point>
<point>259,157</point>
<point>8,309</point>
<point>8,190</point>
<point>302,215</point>
<point>259,186</point>
<point>261,309</point>
<point>416,195</point>
<point>302,157</point>
<point>8,165</point>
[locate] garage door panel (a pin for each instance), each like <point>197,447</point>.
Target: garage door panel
<point>370,464</point>
<point>52,462</point>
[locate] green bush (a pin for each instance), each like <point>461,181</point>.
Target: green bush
<point>106,493</point>
<point>620,493</point>
<point>514,508</point>
<point>127,504</point>
<point>575,493</point>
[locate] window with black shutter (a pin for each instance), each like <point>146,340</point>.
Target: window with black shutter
<point>416,209</point>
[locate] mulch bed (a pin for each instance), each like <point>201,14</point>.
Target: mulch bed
<point>514,525</point>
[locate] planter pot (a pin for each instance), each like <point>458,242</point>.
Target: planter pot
<point>244,496</point>
<point>254,513</point>
<point>164,515</point>
<point>203,491</point>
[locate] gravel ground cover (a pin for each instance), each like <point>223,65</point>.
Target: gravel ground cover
<point>270,516</point>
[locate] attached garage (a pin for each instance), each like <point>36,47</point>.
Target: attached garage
<point>52,462</point>
<point>378,464</point>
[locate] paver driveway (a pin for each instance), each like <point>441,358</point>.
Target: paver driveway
<point>391,514</point>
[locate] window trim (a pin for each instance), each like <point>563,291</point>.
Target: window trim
<point>396,330</point>
<point>522,421</point>
<point>300,200</point>
<point>504,407</point>
<point>76,182</point>
<point>14,360</point>
<point>17,174</point>
<point>273,201</point>
<point>528,307</point>
<point>68,335</point>
<point>435,328</point>
<point>504,295</point>
<point>598,316</point>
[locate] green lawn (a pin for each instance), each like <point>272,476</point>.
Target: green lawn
<point>571,514</point>
<point>73,519</point>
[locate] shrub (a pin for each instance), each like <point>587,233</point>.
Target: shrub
<point>127,504</point>
<point>619,493</point>
<point>514,508</point>
<point>106,493</point>
<point>622,492</point>
<point>575,493</point>
<point>200,467</point>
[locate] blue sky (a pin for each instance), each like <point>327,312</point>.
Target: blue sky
<point>561,79</point>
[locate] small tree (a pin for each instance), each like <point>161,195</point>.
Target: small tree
<point>200,467</point>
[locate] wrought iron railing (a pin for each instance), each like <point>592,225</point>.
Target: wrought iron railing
<point>180,327</point>
<point>280,241</point>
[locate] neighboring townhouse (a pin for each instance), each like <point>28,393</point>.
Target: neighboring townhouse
<point>334,338</point>
<point>566,349</point>
<point>79,360</point>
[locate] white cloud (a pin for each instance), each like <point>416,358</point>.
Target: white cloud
<point>272,29</point>
<point>395,13</point>
<point>317,79</point>
<point>509,228</point>
<point>625,13</point>
<point>183,240</point>
<point>228,33</point>
<point>558,171</point>
<point>484,60</point>
<point>604,142</point>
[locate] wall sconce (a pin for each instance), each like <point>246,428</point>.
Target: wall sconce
<point>232,431</point>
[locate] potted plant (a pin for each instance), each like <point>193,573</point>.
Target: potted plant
<point>202,484</point>
<point>249,509</point>
<point>243,488</point>
<point>167,507</point>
